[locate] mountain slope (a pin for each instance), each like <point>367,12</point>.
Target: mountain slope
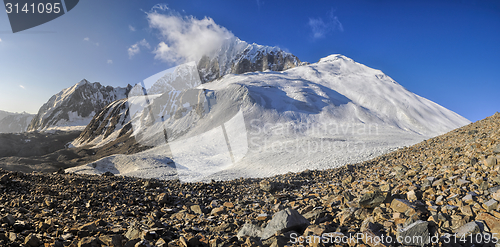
<point>3,114</point>
<point>75,106</point>
<point>15,122</point>
<point>259,124</point>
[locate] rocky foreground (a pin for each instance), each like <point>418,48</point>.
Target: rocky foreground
<point>443,191</point>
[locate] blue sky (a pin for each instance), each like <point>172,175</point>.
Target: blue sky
<point>446,51</point>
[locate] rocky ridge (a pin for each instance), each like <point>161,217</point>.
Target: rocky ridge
<point>75,106</point>
<point>441,187</point>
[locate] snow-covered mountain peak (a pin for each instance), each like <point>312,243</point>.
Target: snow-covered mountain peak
<point>335,57</point>
<point>75,106</point>
<point>237,57</point>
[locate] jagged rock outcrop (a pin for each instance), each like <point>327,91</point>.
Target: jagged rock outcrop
<point>75,106</point>
<point>238,57</point>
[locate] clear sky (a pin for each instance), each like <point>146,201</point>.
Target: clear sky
<point>446,51</point>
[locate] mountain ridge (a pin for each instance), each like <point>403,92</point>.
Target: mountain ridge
<point>75,106</point>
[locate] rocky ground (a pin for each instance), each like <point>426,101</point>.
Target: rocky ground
<point>432,193</point>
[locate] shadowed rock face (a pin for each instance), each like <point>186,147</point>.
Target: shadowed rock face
<point>253,58</point>
<point>77,103</point>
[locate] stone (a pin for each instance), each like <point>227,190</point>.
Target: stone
<point>496,150</point>
<point>32,241</point>
<point>5,178</point>
<point>9,219</point>
<point>249,230</point>
<point>316,216</point>
<point>491,161</point>
<point>276,241</point>
<point>496,195</point>
<point>490,205</point>
<point>346,215</point>
<point>462,182</point>
<point>132,243</point>
<point>468,198</point>
<point>416,233</point>
<point>315,230</point>
<point>285,220</point>
<point>143,243</point>
<point>133,232</point>
<point>218,211</point>
<point>112,240</point>
<point>468,229</point>
<point>90,227</point>
<point>162,198</point>
<point>372,239</point>
<point>372,199</point>
<point>196,209</point>
<point>492,222</point>
<point>402,206</point>
<point>89,242</point>
<point>410,195</point>
<point>189,240</point>
<point>466,210</point>
<point>161,243</point>
<point>266,185</point>
<point>12,236</point>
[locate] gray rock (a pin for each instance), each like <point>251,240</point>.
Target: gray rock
<point>88,242</point>
<point>32,241</point>
<point>372,199</point>
<point>9,219</point>
<point>250,230</point>
<point>285,220</point>
<point>12,236</point>
<point>491,161</point>
<point>162,198</point>
<point>491,205</point>
<point>415,234</point>
<point>468,229</point>
<point>133,232</point>
<point>196,209</point>
<point>266,185</point>
<point>496,150</point>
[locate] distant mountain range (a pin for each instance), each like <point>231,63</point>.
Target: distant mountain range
<point>14,122</point>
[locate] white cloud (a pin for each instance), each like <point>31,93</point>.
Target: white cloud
<point>87,39</point>
<point>186,38</point>
<point>110,61</point>
<point>136,48</point>
<point>21,86</point>
<point>0,40</point>
<point>131,28</point>
<point>160,6</point>
<point>320,28</point>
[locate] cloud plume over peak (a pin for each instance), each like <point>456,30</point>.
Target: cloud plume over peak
<point>186,38</point>
<point>321,28</point>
